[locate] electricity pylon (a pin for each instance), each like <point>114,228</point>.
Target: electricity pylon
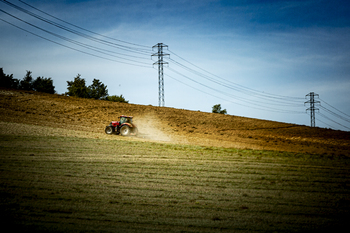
<point>312,107</point>
<point>160,63</point>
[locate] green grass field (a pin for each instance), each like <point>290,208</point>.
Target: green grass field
<point>72,184</point>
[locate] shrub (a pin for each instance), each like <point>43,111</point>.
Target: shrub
<point>116,98</point>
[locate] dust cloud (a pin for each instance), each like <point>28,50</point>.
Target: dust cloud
<point>151,127</point>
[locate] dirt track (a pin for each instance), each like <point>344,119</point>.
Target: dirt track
<point>168,124</point>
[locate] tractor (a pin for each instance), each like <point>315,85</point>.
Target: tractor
<point>124,126</point>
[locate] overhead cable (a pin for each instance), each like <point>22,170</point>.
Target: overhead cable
<point>275,101</point>
<point>105,42</point>
<point>330,126</point>
<point>236,97</point>
<point>210,94</point>
<point>335,114</point>
<point>82,28</point>
<point>91,54</point>
<point>334,107</point>
<point>243,88</point>
<point>322,115</point>
<point>96,49</point>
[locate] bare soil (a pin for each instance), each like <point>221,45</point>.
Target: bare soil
<point>178,126</point>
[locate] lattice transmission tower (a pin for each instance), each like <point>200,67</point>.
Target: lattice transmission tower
<point>312,107</point>
<point>160,63</point>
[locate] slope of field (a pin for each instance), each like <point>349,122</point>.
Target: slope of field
<point>170,125</point>
<point>185,172</point>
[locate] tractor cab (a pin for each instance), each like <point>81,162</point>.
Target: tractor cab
<point>125,119</point>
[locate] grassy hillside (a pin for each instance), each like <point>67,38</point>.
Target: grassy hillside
<point>172,125</point>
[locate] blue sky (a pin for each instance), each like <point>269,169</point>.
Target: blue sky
<point>257,59</point>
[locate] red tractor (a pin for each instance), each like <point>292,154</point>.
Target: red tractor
<point>124,126</point>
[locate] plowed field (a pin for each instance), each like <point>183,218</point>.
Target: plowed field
<point>169,124</point>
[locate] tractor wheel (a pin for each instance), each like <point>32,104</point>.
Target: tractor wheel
<point>125,130</point>
<point>109,130</point>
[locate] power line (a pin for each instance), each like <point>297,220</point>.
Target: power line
<point>81,27</point>
<point>335,114</point>
<point>227,100</point>
<point>87,53</point>
<point>226,94</point>
<point>322,115</point>
<point>330,126</point>
<point>274,101</point>
<point>334,108</point>
<point>105,42</point>
<point>265,108</point>
<point>233,85</point>
<point>96,49</point>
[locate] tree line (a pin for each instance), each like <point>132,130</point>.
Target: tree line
<point>77,87</point>
<point>40,84</point>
